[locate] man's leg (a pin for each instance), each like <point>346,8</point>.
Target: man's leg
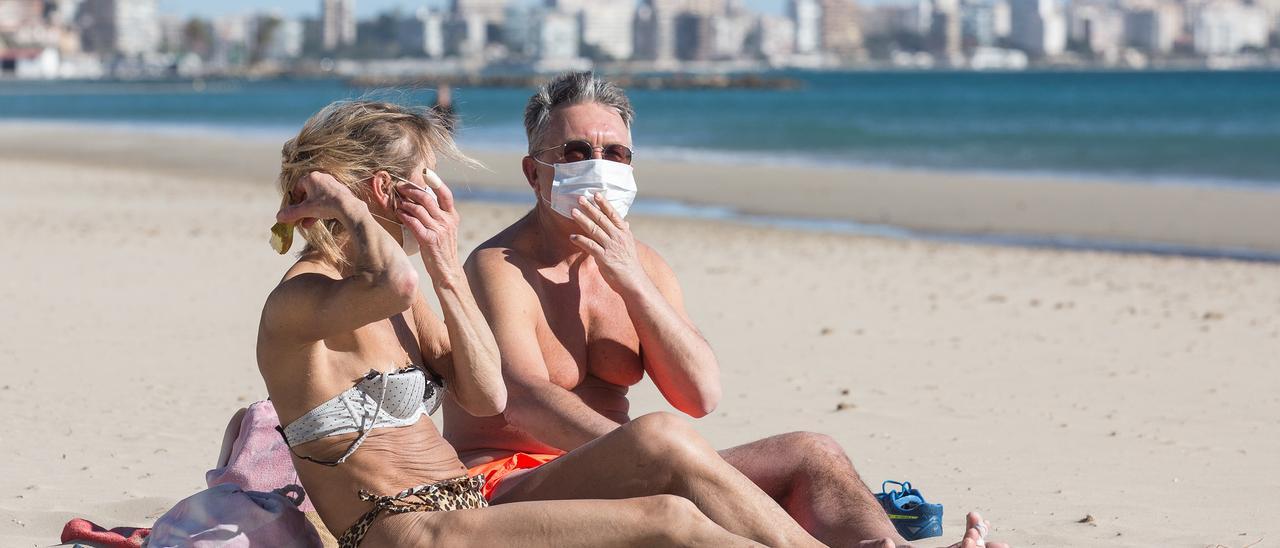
<point>660,454</point>
<point>812,478</point>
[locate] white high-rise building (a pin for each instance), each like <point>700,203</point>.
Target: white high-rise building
<point>807,17</point>
<point>1001,18</point>
<point>337,24</point>
<point>1225,27</point>
<point>125,27</point>
<point>422,34</point>
<point>1039,27</point>
<point>729,32</point>
<point>555,35</point>
<point>465,36</point>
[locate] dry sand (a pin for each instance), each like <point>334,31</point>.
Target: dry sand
<point>1037,386</point>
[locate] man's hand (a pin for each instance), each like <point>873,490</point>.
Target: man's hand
<point>607,238</point>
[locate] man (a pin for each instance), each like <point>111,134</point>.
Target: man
<point>581,311</point>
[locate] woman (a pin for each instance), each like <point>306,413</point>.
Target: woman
<point>353,357</point>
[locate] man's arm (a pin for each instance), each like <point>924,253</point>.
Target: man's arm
<point>535,405</point>
<point>675,354</point>
<point>677,357</point>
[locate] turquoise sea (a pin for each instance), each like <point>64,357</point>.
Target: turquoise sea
<point>1210,127</point>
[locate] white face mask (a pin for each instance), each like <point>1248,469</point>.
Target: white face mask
<point>588,178</point>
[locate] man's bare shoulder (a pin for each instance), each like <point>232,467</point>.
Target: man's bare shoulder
<point>653,262</point>
<point>499,259</point>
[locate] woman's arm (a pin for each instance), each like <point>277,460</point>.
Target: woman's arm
<point>312,306</point>
<point>461,348</point>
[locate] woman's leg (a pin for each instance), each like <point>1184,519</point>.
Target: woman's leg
<point>648,521</point>
<point>660,454</point>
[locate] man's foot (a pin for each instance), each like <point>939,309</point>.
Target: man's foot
<point>975,536</point>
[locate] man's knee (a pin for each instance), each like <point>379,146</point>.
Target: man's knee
<point>664,435</point>
<point>813,449</point>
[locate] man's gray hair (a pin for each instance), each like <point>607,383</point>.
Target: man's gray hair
<point>572,88</point>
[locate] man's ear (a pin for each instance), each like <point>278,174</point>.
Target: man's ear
<point>530,169</point>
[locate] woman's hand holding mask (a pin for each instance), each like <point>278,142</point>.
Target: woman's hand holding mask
<point>431,217</point>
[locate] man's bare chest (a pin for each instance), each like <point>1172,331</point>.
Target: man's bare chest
<point>584,330</point>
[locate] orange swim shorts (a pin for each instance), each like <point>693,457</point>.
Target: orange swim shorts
<point>497,470</point>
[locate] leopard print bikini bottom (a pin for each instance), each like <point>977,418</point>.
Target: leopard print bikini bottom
<point>459,493</point>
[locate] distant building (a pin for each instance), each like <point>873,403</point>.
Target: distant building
<point>979,24</point>
<point>466,36</point>
<point>1096,29</point>
<point>666,30</point>
<point>172,34</point>
<point>842,28</point>
<point>1225,27</point>
<point>493,13</point>
<point>124,27</point>
<point>337,24</point>
<point>422,34</point>
<point>16,15</point>
<point>806,16</point>
<point>233,41</point>
<point>730,30</point>
<point>944,30</point>
<point>607,29</point>
<point>1039,27</point>
<point>989,58</point>
<point>29,63</point>
<point>910,18</point>
<point>1001,19</point>
<point>555,36</point>
<point>1152,29</point>
<point>692,36</point>
<point>773,39</point>
<point>278,38</point>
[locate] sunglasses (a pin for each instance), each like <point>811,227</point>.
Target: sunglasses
<point>577,151</point>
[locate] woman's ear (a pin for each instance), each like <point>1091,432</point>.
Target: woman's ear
<point>381,189</point>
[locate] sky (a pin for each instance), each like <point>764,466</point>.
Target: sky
<point>364,8</point>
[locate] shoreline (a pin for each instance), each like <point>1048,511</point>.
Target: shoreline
<point>272,136</point>
<point>1201,220</point>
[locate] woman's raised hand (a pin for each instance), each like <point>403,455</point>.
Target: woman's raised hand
<point>318,196</point>
<point>431,216</point>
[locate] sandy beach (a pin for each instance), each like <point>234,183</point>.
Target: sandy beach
<point>1038,386</point>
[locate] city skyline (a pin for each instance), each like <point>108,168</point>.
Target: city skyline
<point>369,8</point>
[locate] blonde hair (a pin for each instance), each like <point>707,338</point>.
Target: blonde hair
<point>353,140</point>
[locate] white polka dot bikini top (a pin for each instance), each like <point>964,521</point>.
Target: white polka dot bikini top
<point>379,400</point>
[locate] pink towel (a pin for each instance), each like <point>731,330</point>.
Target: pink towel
<point>81,530</point>
<point>255,456</point>
<point>225,515</point>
